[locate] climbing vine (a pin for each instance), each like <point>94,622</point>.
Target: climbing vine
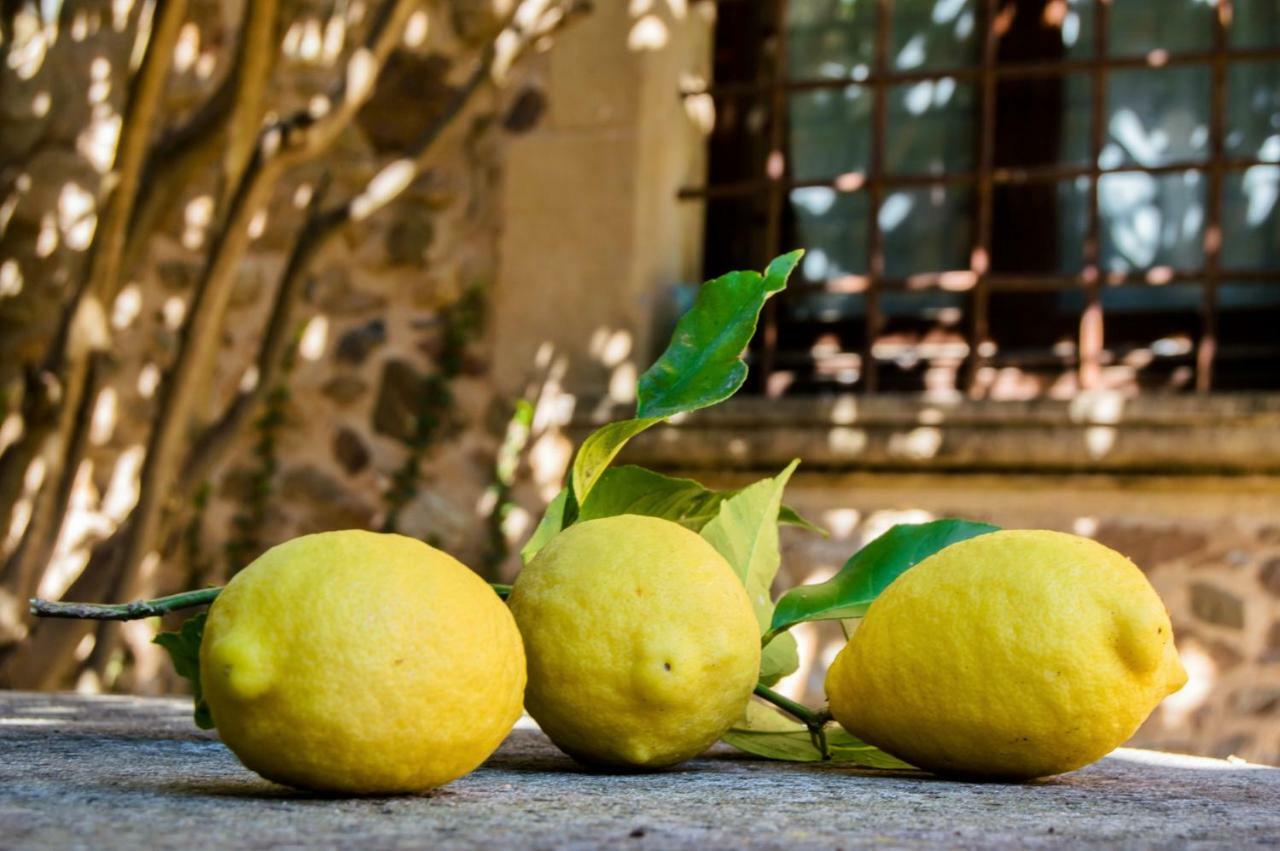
<point>498,496</point>
<point>459,322</point>
<point>245,542</point>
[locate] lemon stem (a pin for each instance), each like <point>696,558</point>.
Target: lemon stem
<point>815,721</point>
<point>139,609</point>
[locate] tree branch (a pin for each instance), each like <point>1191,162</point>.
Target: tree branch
<point>320,227</point>
<point>184,151</point>
<point>49,412</point>
<point>282,144</point>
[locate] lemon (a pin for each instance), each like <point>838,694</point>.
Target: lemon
<point>643,647</point>
<point>1015,654</point>
<point>361,663</point>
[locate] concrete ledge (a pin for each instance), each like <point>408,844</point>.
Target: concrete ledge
<point>129,772</point>
<point>1227,434</point>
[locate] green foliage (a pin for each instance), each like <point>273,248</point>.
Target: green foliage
<point>459,323</point>
<point>783,739</point>
<point>703,363</point>
<point>636,490</point>
<point>745,532</point>
<point>598,451</point>
<point>869,571</point>
<point>505,465</point>
<point>551,524</point>
<point>245,543</point>
<point>701,366</point>
<point>183,647</point>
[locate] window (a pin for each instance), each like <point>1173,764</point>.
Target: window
<point>1002,198</point>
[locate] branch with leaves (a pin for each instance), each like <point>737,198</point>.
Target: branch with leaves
<point>702,366</point>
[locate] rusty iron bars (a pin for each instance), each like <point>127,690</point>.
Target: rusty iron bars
<point>978,280</point>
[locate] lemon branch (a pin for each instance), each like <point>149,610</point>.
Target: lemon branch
<point>816,721</point>
<point>139,609</point>
<point>123,611</point>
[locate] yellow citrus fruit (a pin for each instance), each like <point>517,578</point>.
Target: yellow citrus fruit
<point>361,663</point>
<point>643,647</point>
<point>1015,654</point>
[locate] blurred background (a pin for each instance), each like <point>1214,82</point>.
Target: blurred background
<point>270,267</point>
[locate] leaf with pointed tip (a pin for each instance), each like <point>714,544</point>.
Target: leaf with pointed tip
<point>183,647</point>
<point>636,490</point>
<point>745,532</point>
<point>599,449</point>
<point>869,571</point>
<point>703,364</point>
<point>550,525</point>
<point>778,658</point>
<point>767,733</point>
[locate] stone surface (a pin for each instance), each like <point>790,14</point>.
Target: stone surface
<point>126,772</point>
<point>1212,604</point>
<point>344,389</point>
<point>349,450</point>
<point>1270,576</point>
<point>400,391</point>
<point>357,344</point>
<point>326,503</point>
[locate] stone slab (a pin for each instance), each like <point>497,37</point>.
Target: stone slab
<point>119,772</point>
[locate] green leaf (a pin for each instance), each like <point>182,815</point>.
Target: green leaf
<point>745,532</point>
<point>598,451</point>
<point>779,657</point>
<point>869,571</point>
<point>637,490</point>
<point>184,650</point>
<point>788,516</point>
<point>550,525</point>
<point>768,733</point>
<point>703,364</point>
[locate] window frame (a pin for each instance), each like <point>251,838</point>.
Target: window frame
<point>977,280</point>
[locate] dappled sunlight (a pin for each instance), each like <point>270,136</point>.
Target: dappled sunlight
<point>10,279</point>
<point>315,338</point>
<point>648,33</point>
<point>1183,761</point>
<point>387,184</point>
<point>102,424</point>
<point>1202,673</point>
<point>122,490</point>
<point>841,523</point>
<point>416,30</point>
<point>148,380</point>
<point>846,440</point>
<point>173,311</point>
<point>919,444</point>
<point>198,218</point>
<point>77,216</point>
<point>127,306</point>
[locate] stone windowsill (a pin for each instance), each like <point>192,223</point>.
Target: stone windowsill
<point>1100,433</point>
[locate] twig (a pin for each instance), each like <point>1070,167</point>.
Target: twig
<point>139,609</point>
<point>816,722</point>
<point>124,611</point>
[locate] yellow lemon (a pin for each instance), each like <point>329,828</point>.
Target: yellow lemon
<point>643,647</point>
<point>361,663</point>
<point>1015,654</point>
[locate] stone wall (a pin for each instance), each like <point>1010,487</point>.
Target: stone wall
<point>387,409</point>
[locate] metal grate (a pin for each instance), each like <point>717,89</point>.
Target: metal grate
<point>857,351</point>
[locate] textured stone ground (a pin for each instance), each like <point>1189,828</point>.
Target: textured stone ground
<point>108,773</point>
